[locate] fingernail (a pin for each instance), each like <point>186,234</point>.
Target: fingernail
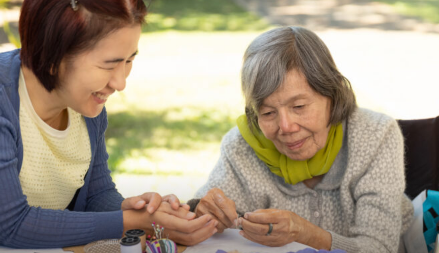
<point>246,215</point>
<point>214,231</point>
<point>241,233</point>
<point>150,209</point>
<point>235,222</point>
<point>140,203</point>
<point>215,223</point>
<point>190,215</point>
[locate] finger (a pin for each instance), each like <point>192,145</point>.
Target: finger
<point>173,200</point>
<point>153,199</point>
<point>227,207</point>
<point>133,203</point>
<point>257,228</point>
<point>206,208</point>
<point>263,216</point>
<point>209,207</point>
<point>182,213</point>
<point>186,226</point>
<point>221,227</point>
<point>185,206</point>
<point>195,237</point>
<point>226,212</point>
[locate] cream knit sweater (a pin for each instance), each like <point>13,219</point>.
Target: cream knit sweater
<point>360,201</point>
<point>54,162</point>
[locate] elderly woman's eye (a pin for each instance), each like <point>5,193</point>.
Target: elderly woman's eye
<point>299,106</point>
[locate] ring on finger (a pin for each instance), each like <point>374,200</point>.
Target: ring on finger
<point>270,229</point>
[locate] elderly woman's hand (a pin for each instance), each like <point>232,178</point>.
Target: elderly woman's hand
<point>286,227</point>
<point>220,207</point>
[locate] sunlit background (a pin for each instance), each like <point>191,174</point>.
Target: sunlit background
<point>184,92</point>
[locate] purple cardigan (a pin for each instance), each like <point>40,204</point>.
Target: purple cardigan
<point>96,214</point>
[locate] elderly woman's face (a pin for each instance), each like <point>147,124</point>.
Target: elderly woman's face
<point>295,118</point>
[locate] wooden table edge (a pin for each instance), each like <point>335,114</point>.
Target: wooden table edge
<point>80,249</point>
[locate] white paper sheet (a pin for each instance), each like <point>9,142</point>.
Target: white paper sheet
<point>9,250</point>
<point>231,240</point>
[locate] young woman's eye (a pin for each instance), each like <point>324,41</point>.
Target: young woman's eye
<point>130,60</point>
<point>109,67</point>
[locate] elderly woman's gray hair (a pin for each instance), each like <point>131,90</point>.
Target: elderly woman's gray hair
<point>274,53</point>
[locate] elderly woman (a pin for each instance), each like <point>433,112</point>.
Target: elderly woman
<point>305,164</point>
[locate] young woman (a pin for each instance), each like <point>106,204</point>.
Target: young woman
<point>56,188</point>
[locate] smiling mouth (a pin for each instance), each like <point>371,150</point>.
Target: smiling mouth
<point>100,98</point>
<point>296,145</point>
<point>100,95</point>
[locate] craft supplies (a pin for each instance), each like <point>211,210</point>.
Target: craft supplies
<point>158,244</point>
<point>130,245</point>
<point>161,246</point>
<point>137,233</point>
<point>102,246</point>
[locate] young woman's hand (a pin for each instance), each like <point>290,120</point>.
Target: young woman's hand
<point>175,202</point>
<point>152,200</point>
<point>186,231</point>
<point>220,207</point>
<point>287,227</point>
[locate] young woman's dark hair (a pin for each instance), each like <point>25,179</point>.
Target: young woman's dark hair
<point>53,30</point>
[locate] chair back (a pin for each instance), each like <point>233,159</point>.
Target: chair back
<point>421,144</point>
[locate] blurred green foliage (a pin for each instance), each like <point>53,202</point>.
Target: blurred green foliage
<point>11,35</point>
<point>136,133</point>
<point>3,3</point>
<point>427,10</point>
<point>201,15</point>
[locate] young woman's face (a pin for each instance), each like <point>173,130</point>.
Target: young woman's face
<point>87,80</point>
<point>295,118</point>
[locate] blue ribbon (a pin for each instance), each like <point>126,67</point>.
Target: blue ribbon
<point>430,208</point>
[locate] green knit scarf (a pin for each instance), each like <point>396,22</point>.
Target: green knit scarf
<point>292,171</point>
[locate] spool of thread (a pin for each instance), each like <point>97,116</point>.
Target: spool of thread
<point>130,245</point>
<point>137,233</point>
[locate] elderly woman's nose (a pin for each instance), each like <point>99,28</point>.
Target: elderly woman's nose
<point>288,123</point>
